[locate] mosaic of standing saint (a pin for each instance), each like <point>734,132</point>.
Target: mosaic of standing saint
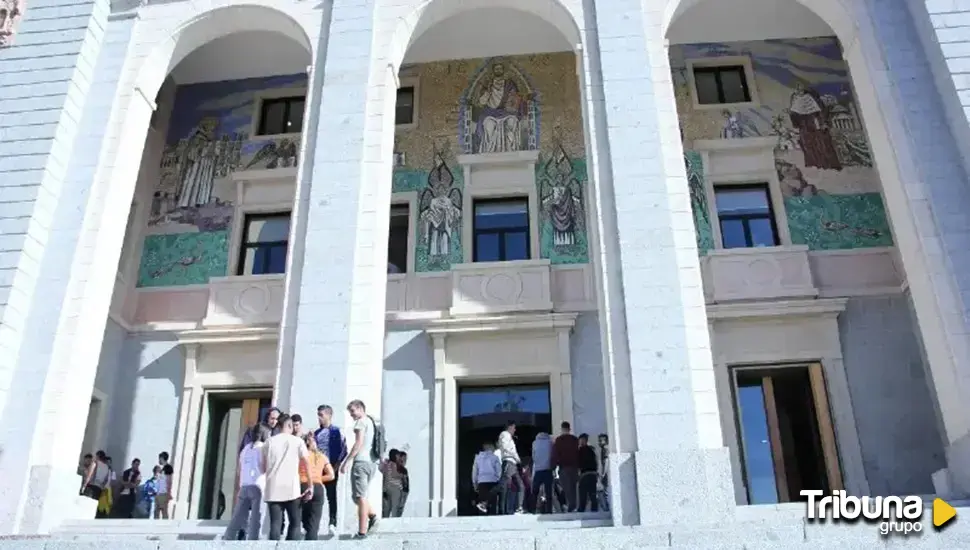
<point>499,111</point>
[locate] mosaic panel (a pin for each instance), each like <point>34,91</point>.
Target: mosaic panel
<point>490,106</point>
<point>805,102</point>
<point>698,201</point>
<point>208,140</point>
<point>175,259</point>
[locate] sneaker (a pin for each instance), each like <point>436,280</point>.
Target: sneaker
<point>371,523</point>
<point>519,512</point>
<point>482,508</point>
<point>359,536</point>
<point>332,531</point>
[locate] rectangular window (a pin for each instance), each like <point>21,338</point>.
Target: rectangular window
<point>717,85</point>
<point>745,216</point>
<point>397,239</point>
<point>283,115</point>
<point>404,108</point>
<point>785,432</point>
<point>265,239</point>
<point>501,230</point>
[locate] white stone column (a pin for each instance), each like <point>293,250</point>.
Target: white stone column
<point>332,338</point>
<point>183,458</point>
<point>924,177</point>
<point>76,263</point>
<point>664,413</point>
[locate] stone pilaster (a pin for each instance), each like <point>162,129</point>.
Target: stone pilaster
<point>332,339</point>
<point>665,407</point>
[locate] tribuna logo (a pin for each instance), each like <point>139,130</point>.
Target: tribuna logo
<point>901,515</point>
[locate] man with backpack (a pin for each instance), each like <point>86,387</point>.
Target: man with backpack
<point>369,447</point>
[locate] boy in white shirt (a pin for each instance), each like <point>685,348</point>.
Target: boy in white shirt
<point>252,481</point>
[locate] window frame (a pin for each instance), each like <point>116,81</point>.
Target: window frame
<point>245,245</point>
<point>524,199</point>
<point>400,200</point>
<point>414,83</point>
<point>746,218</point>
<point>263,96</point>
<point>713,63</point>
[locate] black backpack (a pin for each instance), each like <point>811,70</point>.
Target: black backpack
<point>378,446</point>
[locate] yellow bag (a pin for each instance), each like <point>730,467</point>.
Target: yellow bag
<point>104,502</point>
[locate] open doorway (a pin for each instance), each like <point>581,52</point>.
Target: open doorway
<point>229,416</point>
<point>483,412</point>
<point>786,436</point>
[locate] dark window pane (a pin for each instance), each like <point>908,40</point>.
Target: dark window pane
<point>294,119</point>
<point>397,244</point>
<point>266,230</point>
<point>504,214</point>
<point>732,234</point>
<point>732,85</point>
<point>741,200</point>
<point>276,262</point>
<point>272,119</point>
<point>762,232</point>
<point>487,247</point>
<point>404,109</point>
<point>516,246</point>
<point>758,463</point>
<point>706,83</point>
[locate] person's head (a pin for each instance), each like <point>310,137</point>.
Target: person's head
<point>311,442</point>
<point>488,447</point>
<point>100,456</point>
<point>273,417</point>
<point>156,470</point>
<point>163,458</point>
<point>356,409</point>
<point>107,460</point>
<point>604,440</point>
<point>285,423</point>
<point>88,459</point>
<point>325,415</point>
<point>510,427</point>
<point>402,459</point>
<point>392,455</point>
<point>135,464</point>
<point>258,434</point>
<point>566,427</point>
<point>583,440</point>
<point>297,424</point>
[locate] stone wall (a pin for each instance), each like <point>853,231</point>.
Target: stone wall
<point>831,189</point>
<point>891,396</point>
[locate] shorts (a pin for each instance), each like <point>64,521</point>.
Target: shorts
<point>360,475</point>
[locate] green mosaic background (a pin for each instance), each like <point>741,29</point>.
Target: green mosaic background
<point>177,259</point>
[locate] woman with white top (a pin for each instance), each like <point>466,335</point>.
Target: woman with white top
<point>252,481</point>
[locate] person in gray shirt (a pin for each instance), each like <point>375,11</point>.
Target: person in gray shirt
<point>362,466</point>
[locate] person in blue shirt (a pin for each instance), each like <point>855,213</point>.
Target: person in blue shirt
<point>331,443</point>
<point>148,491</point>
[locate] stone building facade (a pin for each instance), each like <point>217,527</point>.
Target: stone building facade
<point>733,249</point>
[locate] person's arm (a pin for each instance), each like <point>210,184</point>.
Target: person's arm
<point>475,471</point>
<point>88,475</point>
<point>328,473</point>
<point>358,443</point>
<point>343,443</point>
<point>554,456</point>
<point>305,462</point>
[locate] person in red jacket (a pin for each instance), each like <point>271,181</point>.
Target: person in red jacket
<point>565,456</point>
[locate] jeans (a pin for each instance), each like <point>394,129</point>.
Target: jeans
<point>543,480</point>
<point>569,478</point>
<point>394,499</point>
<point>331,489</point>
<point>125,507</point>
<point>292,509</point>
<point>312,511</point>
<point>248,514</point>
<point>510,471</point>
<point>587,492</point>
<point>486,495</point>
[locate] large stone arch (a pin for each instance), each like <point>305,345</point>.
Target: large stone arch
<point>196,30</point>
<point>565,17</point>
<point>928,276</point>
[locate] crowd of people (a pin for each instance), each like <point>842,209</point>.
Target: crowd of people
<point>566,474</point>
<point>132,496</point>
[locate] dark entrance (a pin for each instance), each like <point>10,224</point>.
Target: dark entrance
<point>483,412</point>
<point>230,414</point>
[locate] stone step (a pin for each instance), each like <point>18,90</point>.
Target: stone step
<point>212,529</point>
